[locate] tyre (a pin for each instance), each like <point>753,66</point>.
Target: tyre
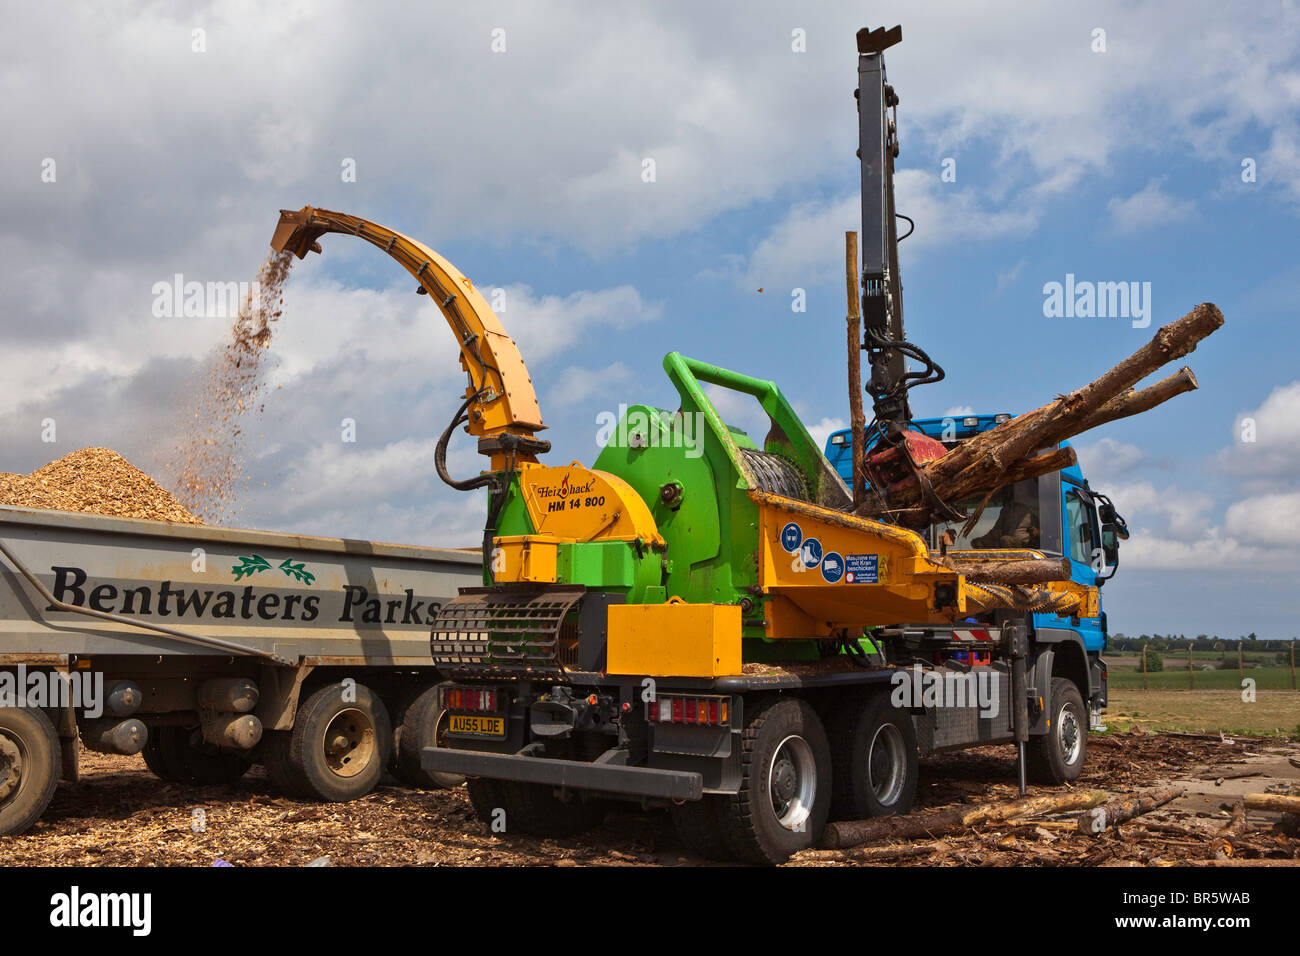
<point>534,809</point>
<point>486,797</point>
<point>338,746</point>
<point>874,758</point>
<point>785,791</point>
<point>1057,756</point>
<point>419,722</point>
<point>700,828</point>
<point>30,764</point>
<point>160,763</point>
<point>275,760</point>
<point>180,755</point>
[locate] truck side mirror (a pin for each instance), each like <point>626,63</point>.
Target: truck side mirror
<point>1110,544</point>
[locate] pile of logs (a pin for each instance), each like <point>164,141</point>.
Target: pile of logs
<point>920,834</point>
<point>1015,450</point>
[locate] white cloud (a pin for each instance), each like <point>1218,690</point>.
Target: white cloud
<point>807,245</point>
<point>823,429</point>
<point>1151,206</point>
<point>959,411</point>
<point>576,386</point>
<point>1273,430</point>
<point>1171,529</point>
<point>740,411</point>
<point>1271,520</point>
<point>1007,277</point>
<point>1105,460</point>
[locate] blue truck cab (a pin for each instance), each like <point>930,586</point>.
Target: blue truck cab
<point>1057,514</point>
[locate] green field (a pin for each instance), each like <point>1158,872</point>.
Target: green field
<point>1204,711</point>
<point>1174,677</point>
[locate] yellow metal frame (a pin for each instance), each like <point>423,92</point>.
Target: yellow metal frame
<point>674,640</point>
<point>525,558</point>
<point>805,604</point>
<point>505,402</point>
<point>576,503</point>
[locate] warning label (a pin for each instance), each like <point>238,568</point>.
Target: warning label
<point>862,568</point>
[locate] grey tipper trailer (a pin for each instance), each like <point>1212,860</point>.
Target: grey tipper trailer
<point>208,649</point>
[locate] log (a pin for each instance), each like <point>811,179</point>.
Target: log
<point>857,418</point>
<point>1135,403</point>
<point>1095,820</point>
<point>848,833</point>
<point>992,459</point>
<point>1044,464</point>
<point>1032,571</point>
<point>864,854</point>
<point>1231,837</point>
<point>1238,775</point>
<point>1276,802</point>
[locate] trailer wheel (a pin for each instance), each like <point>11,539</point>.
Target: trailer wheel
<point>785,790</point>
<point>1058,756</point>
<point>874,755</point>
<point>419,722</point>
<point>161,763</point>
<point>338,747</point>
<point>30,764</point>
<point>699,826</point>
<point>179,755</point>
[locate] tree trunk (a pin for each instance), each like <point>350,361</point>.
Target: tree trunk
<point>993,459</point>
<point>1096,820</point>
<point>1012,572</point>
<point>847,833</point>
<point>1135,402</point>
<point>857,418</point>
<point>1276,802</point>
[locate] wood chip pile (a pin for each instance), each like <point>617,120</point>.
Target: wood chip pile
<point>96,481</point>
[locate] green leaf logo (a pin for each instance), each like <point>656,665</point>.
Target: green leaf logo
<point>298,571</point>
<point>255,564</point>
<point>250,566</point>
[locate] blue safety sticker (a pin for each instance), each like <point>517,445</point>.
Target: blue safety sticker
<point>862,568</point>
<point>791,537</point>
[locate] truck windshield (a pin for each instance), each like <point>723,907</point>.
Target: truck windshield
<point>1011,519</point>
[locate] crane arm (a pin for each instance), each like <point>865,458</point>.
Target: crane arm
<point>501,401</point>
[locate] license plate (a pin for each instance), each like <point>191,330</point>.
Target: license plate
<point>478,726</point>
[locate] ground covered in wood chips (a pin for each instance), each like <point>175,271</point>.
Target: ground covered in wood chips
<point>119,814</point>
<point>96,481</point>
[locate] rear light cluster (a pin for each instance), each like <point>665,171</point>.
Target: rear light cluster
<point>689,710</point>
<point>470,699</point>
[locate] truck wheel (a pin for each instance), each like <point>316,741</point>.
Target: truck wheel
<point>700,827</point>
<point>485,796</point>
<point>1057,756</point>
<point>160,763</point>
<point>785,789</point>
<point>179,755</point>
<point>874,756</point>
<point>275,760</point>
<point>419,722</point>
<point>338,748</point>
<point>534,809</point>
<point>30,764</point>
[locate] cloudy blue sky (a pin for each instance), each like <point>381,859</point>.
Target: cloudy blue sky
<point>173,151</point>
